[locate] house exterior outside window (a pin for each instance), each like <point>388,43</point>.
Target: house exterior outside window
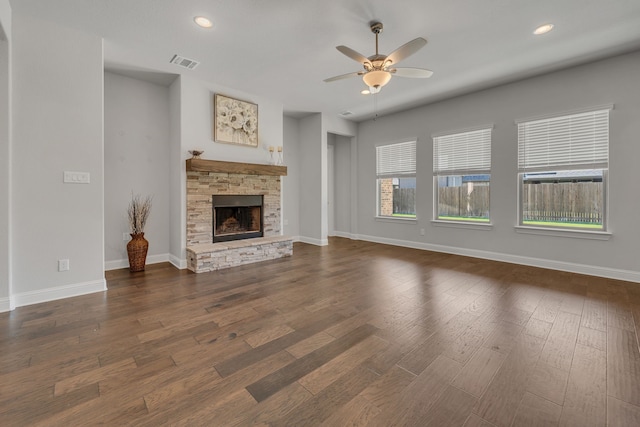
<point>396,180</point>
<point>462,176</point>
<point>562,171</point>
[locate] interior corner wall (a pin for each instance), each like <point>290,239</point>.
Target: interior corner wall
<point>57,126</point>
<point>610,81</point>
<point>313,200</point>
<point>177,179</point>
<point>339,126</point>
<point>346,172</point>
<point>331,184</point>
<point>5,154</point>
<point>342,187</point>
<point>136,159</point>
<point>291,182</point>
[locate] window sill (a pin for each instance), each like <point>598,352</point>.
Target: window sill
<point>485,226</point>
<point>395,219</point>
<point>562,232</point>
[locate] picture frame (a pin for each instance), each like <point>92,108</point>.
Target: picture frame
<point>235,121</point>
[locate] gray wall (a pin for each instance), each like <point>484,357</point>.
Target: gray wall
<point>136,159</point>
<point>315,132</point>
<point>313,194</point>
<point>342,186</point>
<point>5,152</point>
<point>344,131</point>
<point>331,145</point>
<point>291,182</point>
<point>177,199</point>
<point>610,81</point>
<point>57,126</point>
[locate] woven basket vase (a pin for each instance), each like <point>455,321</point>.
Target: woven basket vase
<point>137,250</point>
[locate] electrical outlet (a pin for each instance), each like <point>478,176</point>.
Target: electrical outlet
<point>422,231</point>
<point>286,222</point>
<point>63,265</point>
<point>76,177</point>
<point>125,237</point>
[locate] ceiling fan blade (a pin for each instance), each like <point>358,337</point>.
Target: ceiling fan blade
<point>406,50</point>
<point>416,73</point>
<point>353,54</point>
<point>344,76</point>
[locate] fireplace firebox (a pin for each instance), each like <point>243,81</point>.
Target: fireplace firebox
<point>237,217</point>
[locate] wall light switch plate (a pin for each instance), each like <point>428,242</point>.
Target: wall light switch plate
<point>76,177</point>
<point>125,237</point>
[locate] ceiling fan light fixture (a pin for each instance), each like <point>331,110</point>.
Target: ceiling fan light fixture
<point>376,79</point>
<point>378,68</point>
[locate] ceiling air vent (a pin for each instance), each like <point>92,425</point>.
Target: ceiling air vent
<point>181,61</point>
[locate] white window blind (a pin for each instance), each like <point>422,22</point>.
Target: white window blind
<point>396,159</point>
<point>577,140</point>
<point>464,152</point>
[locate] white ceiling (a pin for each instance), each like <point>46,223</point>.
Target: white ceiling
<point>283,49</point>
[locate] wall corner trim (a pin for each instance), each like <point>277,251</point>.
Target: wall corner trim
<point>344,234</point>
<point>178,263</point>
<point>312,241</point>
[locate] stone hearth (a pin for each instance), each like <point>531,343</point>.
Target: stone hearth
<point>216,256</point>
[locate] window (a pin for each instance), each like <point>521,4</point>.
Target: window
<point>462,173</point>
<point>563,164</point>
<point>396,179</point>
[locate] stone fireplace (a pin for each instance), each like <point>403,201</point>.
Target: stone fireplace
<point>227,204</point>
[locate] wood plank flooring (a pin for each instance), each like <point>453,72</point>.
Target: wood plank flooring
<point>354,333</point>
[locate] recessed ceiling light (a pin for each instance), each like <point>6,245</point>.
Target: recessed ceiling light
<point>203,22</point>
<point>543,29</point>
<point>365,92</point>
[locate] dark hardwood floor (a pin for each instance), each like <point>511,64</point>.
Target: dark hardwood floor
<point>352,334</point>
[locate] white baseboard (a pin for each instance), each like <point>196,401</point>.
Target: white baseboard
<point>5,304</point>
<point>60,292</point>
<point>590,270</point>
<point>343,234</point>
<point>124,263</point>
<point>312,241</point>
<point>178,263</point>
<point>295,239</point>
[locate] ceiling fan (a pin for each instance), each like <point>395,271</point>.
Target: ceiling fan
<point>378,68</point>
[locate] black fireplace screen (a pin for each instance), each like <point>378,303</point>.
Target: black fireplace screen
<point>236,217</point>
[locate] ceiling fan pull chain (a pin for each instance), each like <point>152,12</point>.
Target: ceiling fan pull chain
<point>375,106</point>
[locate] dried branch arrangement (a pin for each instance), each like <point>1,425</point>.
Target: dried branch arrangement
<point>138,212</point>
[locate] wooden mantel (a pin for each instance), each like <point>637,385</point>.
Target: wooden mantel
<point>201,165</point>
